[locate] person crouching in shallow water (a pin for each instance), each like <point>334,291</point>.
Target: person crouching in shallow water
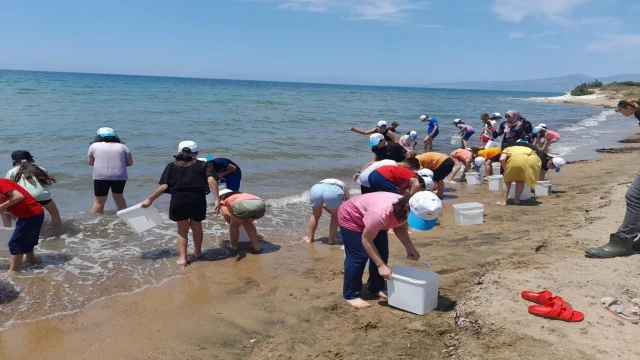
<point>188,180</point>
<point>522,166</point>
<point>364,223</point>
<point>621,243</point>
<point>328,194</point>
<point>242,209</point>
<point>36,181</point>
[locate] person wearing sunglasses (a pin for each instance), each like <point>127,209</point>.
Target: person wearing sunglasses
<point>381,128</point>
<point>621,243</point>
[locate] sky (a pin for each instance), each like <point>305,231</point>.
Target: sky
<point>376,42</point>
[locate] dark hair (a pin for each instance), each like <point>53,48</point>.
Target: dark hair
<point>107,139</point>
<point>475,150</point>
<point>395,124</point>
<point>401,208</point>
<point>33,174</point>
<point>484,116</point>
<point>413,163</point>
<point>185,155</point>
<point>228,194</point>
<point>629,103</point>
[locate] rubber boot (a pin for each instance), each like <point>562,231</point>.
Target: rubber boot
<point>616,247</point>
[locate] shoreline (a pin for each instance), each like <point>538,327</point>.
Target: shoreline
<point>286,304</point>
<point>600,99</point>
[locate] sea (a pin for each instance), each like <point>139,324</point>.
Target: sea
<point>284,136</point>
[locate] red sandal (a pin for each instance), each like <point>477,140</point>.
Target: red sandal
<point>543,297</point>
<point>558,309</point>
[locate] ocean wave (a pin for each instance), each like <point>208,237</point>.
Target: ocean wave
<point>589,122</point>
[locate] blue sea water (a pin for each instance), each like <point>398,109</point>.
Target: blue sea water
<point>284,136</point>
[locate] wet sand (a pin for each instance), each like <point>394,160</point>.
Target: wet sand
<point>606,99</point>
<point>286,304</point>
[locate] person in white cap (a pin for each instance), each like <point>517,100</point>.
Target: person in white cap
<point>188,180</point>
<point>432,131</point>
<point>381,128</point>
<point>364,224</point>
<point>543,137</point>
<point>110,159</point>
<point>409,141</point>
<point>386,150</point>
<point>466,131</point>
<point>427,176</point>
<point>362,176</point>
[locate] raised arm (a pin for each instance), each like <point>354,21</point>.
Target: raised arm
<point>363,132</point>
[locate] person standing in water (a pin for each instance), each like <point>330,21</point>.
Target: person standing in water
<point>229,171</point>
<point>381,128</point>
<point>432,131</point>
<point>188,180</point>
<point>364,224</point>
<point>621,243</point>
<point>36,181</point>
<point>466,131</point>
<point>110,159</point>
<point>327,194</point>
<point>242,209</point>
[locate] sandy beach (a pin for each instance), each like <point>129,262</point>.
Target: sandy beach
<point>286,304</point>
<point>599,98</point>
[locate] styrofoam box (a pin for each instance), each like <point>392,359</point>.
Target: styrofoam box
<point>5,236</point>
<point>413,290</point>
<point>526,193</point>
<point>140,219</point>
<point>468,213</point>
<point>474,178</point>
<point>496,182</point>
<point>543,188</point>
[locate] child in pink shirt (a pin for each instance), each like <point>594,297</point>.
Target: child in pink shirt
<point>544,137</point>
<point>242,209</point>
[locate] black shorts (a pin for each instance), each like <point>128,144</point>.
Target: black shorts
<point>443,170</point>
<point>188,206</point>
<point>45,202</point>
<point>365,190</point>
<point>102,187</point>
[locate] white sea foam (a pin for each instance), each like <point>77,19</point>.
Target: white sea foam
<point>589,122</point>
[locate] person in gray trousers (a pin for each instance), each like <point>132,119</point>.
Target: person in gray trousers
<point>622,242</point>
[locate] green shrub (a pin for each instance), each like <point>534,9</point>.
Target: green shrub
<point>582,89</point>
<point>595,84</point>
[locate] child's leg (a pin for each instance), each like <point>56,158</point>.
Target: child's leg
<point>333,226</point>
<point>198,235</point>
<point>31,258</point>
<point>313,223</point>
<point>234,231</point>
<point>16,262</point>
<point>121,203</point>
<point>98,205</point>
<point>518,192</point>
<point>253,234</point>
<point>505,193</point>
<point>52,209</point>
<point>455,170</point>
<point>464,143</point>
<point>6,219</point>
<point>183,238</point>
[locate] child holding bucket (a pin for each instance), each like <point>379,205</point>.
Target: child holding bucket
<point>364,224</point>
<point>188,180</point>
<point>242,209</point>
<point>328,194</point>
<point>460,157</point>
<point>466,132</point>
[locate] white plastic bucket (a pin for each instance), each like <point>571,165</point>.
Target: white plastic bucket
<point>140,219</point>
<point>468,213</point>
<point>496,167</point>
<point>474,178</point>
<point>244,237</point>
<point>456,140</point>
<point>5,236</point>
<point>413,290</point>
<point>526,193</point>
<point>496,182</point>
<point>543,188</point>
<point>492,144</point>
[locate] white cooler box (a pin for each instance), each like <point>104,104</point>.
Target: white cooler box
<point>543,188</point>
<point>468,213</point>
<point>413,290</point>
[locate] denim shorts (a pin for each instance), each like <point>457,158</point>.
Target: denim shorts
<point>26,235</point>
<point>325,193</point>
<point>468,135</point>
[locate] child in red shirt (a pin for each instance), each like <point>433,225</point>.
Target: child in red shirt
<point>395,179</point>
<point>17,201</point>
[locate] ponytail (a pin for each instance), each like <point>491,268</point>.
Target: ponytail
<point>33,174</point>
<point>185,155</point>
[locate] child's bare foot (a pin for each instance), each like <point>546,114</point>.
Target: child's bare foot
<point>518,202</point>
<point>503,203</point>
<point>382,295</point>
<point>452,182</point>
<point>234,248</point>
<point>256,248</point>
<point>331,242</point>
<point>34,260</point>
<point>197,253</point>
<point>12,272</point>
<point>308,240</point>
<point>182,262</point>
<point>358,303</point>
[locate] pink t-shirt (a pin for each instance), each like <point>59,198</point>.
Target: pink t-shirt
<point>373,211</point>
<point>552,135</point>
<point>238,197</point>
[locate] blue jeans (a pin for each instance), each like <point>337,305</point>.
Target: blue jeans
<point>356,260</point>
<point>378,182</point>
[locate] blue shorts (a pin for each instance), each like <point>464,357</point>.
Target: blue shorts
<point>468,135</point>
<point>26,235</point>
<point>233,180</point>
<point>325,193</point>
<point>378,182</point>
<point>434,135</point>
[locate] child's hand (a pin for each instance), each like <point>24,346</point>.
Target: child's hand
<point>356,176</point>
<point>216,207</point>
<point>146,203</point>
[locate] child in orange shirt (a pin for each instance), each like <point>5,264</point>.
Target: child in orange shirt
<point>242,209</point>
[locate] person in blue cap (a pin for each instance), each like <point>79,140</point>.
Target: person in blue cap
<point>410,140</point>
<point>364,224</point>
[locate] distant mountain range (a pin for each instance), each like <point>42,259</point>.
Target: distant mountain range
<point>557,84</point>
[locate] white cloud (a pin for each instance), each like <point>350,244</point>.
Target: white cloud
<point>430,26</point>
<point>615,43</point>
<point>382,10</point>
<point>516,35</point>
<point>537,35</point>
<point>516,10</point>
